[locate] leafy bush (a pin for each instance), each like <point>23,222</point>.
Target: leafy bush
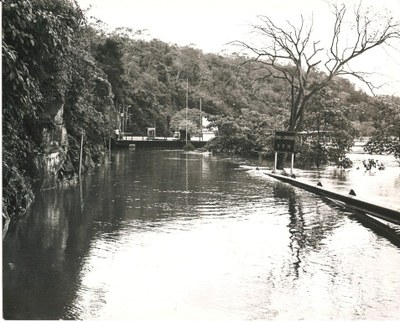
<point>189,147</point>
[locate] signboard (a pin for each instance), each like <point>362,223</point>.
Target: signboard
<point>151,133</point>
<point>284,141</point>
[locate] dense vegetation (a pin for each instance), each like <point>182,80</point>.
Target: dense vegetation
<point>63,78</point>
<point>386,123</point>
<point>51,82</point>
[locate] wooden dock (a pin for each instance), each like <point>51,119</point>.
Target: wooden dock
<point>168,144</point>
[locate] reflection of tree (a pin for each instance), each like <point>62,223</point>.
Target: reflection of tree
<point>44,252</point>
<point>297,238</point>
<point>40,277</point>
<point>339,175</point>
<point>312,218</point>
<point>310,221</point>
<point>296,223</point>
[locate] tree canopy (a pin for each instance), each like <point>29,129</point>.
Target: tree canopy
<point>292,54</point>
<point>386,136</point>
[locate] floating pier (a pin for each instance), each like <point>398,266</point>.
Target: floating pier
<point>351,201</point>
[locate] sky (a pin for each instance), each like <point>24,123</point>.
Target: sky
<point>211,25</point>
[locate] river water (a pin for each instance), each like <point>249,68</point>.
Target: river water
<point>168,235</point>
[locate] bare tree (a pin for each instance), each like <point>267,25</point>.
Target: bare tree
<point>290,53</point>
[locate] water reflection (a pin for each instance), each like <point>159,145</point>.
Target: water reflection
<point>296,222</point>
<point>41,247</point>
<point>311,235</point>
<point>178,236</point>
<point>311,220</point>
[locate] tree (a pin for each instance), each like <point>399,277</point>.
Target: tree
<point>290,53</point>
<point>37,37</point>
<point>248,134</point>
<point>330,134</point>
<point>179,121</point>
<point>386,137</point>
<point>53,91</point>
<point>109,55</point>
<point>89,107</point>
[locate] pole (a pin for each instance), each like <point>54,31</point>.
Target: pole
<point>276,161</point>
<point>124,119</point>
<point>187,103</point>
<point>80,157</point>
<point>291,165</point>
<point>201,124</point>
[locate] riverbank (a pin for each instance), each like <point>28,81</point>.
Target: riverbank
<point>50,180</point>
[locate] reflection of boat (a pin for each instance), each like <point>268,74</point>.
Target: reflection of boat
<point>351,201</point>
